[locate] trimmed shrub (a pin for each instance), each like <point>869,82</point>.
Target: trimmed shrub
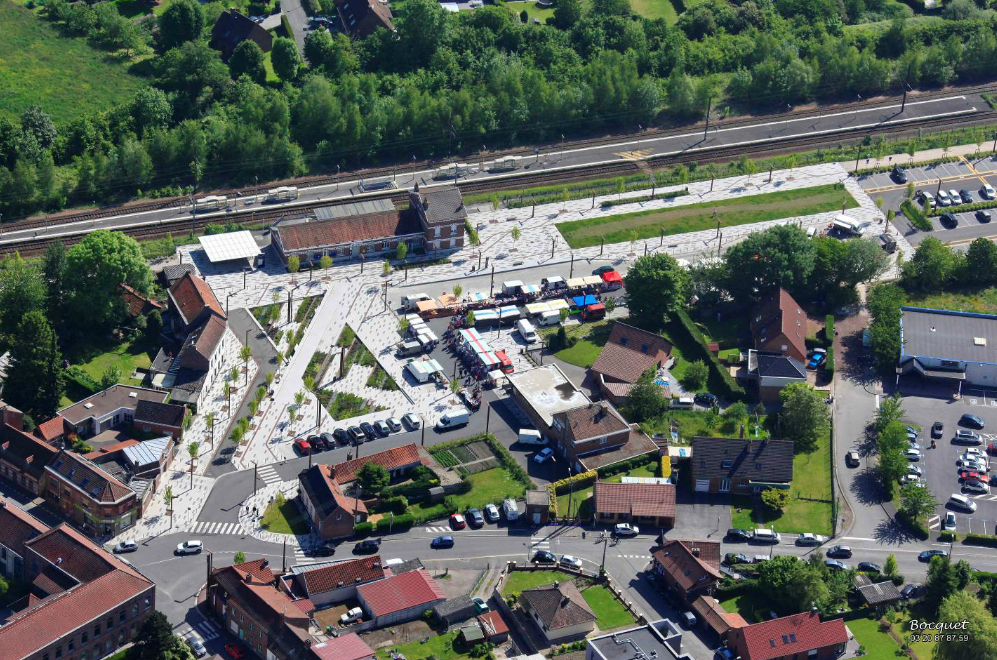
<point>729,389</point>
<point>397,504</point>
<point>829,330</point>
<point>399,524</point>
<point>608,203</point>
<point>665,469</point>
<point>917,527</point>
<point>988,540</point>
<point>948,537</point>
<point>828,365</point>
<point>575,482</point>
<point>915,215</point>
<point>362,529</point>
<point>81,378</point>
<point>627,465</point>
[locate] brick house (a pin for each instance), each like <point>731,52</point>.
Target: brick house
<point>90,497</point>
<point>559,611</point>
<point>23,458</point>
<point>398,462</point>
<point>638,503</point>
<point>792,637</point>
<point>779,325</point>
<point>773,371</point>
<point>344,647</point>
<point>157,417</point>
<point>588,429</point>
<point>17,527</point>
<point>729,465</point>
<point>84,602</point>
<point>442,216</point>
<point>201,361</point>
<point>136,303</point>
<point>628,353</point>
<point>53,431</point>
<point>247,600</point>
<point>332,513</point>
<point>361,18</point>
<point>689,568</point>
<point>232,28</point>
<point>399,598</point>
<point>190,301</point>
<point>334,583</point>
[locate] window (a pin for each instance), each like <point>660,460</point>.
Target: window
<point>110,622</point>
<point>58,652</point>
<point>121,616</point>
<point>83,655</point>
<point>85,638</point>
<point>134,609</point>
<point>71,646</point>
<point>148,602</point>
<point>726,464</point>
<point>96,631</point>
<point>792,637</point>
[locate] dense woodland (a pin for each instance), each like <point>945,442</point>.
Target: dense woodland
<point>447,83</point>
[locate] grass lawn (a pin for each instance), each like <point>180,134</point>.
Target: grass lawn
<point>695,217</point>
<point>878,644</point>
<point>692,423</point>
<point>653,9</point>
<point>579,499</point>
<point>983,301</point>
<point>900,621</point>
<point>520,580</point>
<point>591,337</point>
<point>487,487</point>
<point>126,356</point>
<point>63,75</point>
<point>440,647</point>
<point>726,330</point>
<point>611,614</point>
<point>811,478</point>
<point>748,605</point>
<point>285,519</point>
<point>533,10</point>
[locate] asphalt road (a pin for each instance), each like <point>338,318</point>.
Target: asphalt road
<point>555,159</point>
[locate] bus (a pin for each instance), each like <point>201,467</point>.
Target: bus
<point>211,203</point>
<point>505,164</point>
<point>282,194</point>
<point>452,171</point>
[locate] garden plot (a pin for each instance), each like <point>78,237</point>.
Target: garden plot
<point>472,458</point>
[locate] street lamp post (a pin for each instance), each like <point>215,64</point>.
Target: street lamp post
<point>254,479</point>
<point>227,296</point>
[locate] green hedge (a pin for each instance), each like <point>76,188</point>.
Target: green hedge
<point>721,376</point>
<point>829,330</point>
<point>396,504</point>
<point>829,361</point>
<point>948,537</point>
<point>915,215</point>
<point>505,459</point>
<point>580,481</point>
<point>962,208</point>
<point>76,374</point>
<point>627,465</point>
<point>609,203</point>
<point>988,540</point>
<point>362,529</point>
<point>472,233</point>
<point>401,523</point>
<point>918,528</point>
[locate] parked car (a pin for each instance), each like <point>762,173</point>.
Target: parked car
<point>189,548</point>
<point>480,606</point>
<point>412,421</point>
<point>351,615</point>
<point>341,436</point>
<point>817,358</point>
<point>972,454</point>
<point>445,541</point>
<point>966,196</point>
<point>810,539</point>
<point>949,523</point>
<point>987,191</point>
<point>125,546</point>
<point>967,437</point>
<point>316,443</point>
<point>367,546</point>
<point>975,464</point>
<point>911,591</point>
<point>760,559</point>
<point>943,198</point>
<point>394,424</point>
<point>913,445</point>
<point>457,521</point>
<point>382,429</point>
<point>869,567</point>
<point>302,447</point>
<point>839,551</point>
<point>910,479</point>
<point>736,534</point>
<point>973,486</point>
<point>474,518</point>
<point>543,455</point>
<point>356,435</point>
<point>928,554</point>
<point>626,529</point>
<point>965,473</point>
<point>326,549</point>
<point>603,269</point>
<point>984,216</point>
<point>732,558</point>
<point>836,565</point>
<point>936,429</point>
<point>948,220</point>
<point>913,455</point>
<point>688,619</point>
<point>543,557</point>
<point>769,536</point>
<point>329,440</point>
<point>852,458</point>
<point>971,421</point>
<point>914,469</point>
<point>237,651</point>
<point>706,399</point>
<point>571,562</point>
<point>724,653</point>
<point>197,647</point>
<point>954,197</point>
<point>492,513</point>
<point>368,430</point>
<point>898,174</point>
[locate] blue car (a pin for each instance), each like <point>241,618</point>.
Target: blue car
<point>442,542</point>
<point>817,359</point>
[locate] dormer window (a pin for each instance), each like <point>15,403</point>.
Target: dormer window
<point>726,465</point>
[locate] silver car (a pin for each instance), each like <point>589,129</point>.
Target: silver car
<point>412,421</point>
<point>197,647</point>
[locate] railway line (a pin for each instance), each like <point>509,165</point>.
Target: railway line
<point>255,216</point>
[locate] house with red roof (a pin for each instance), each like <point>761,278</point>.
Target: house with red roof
<point>559,610</point>
<point>801,635</point>
<point>331,512</point>
<point>335,582</point>
<point>628,353</point>
<point>689,568</point>
<point>16,528</point>
<point>23,458</point>
<point>399,598</point>
<point>396,461</point>
<point>190,301</point>
<point>779,325</point>
<point>650,504</point>
<point>53,431</point>
<point>344,647</point>
<point>91,498</point>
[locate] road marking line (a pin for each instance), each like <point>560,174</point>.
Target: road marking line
<point>856,538</point>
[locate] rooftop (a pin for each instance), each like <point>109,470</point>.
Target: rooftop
<point>192,295</point>
<point>24,450</point>
<point>229,246</point>
<point>591,421</point>
<point>77,555</point>
<point>345,647</point>
<point>443,206</point>
<point>656,500</point>
<point>879,593</point>
<point>775,365</point>
<point>637,643</point>
<point>146,453</point>
<point>111,399</point>
<point>948,335</point>
<point>400,592</point>
<point>315,234</point>
<point>163,414</point>
<point>559,605</point>
<point>98,484</point>
<point>629,352</point>
<point>548,391</point>
<point>390,459</point>
<point>690,563</point>
<point>761,461</point>
<point>17,527</point>
<point>637,444</point>
<point>341,574</point>
<point>51,429</point>
<point>201,343</point>
<point>715,616</point>
<point>780,314</point>
<point>789,635</point>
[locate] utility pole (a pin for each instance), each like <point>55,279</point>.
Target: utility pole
<point>602,566</point>
<point>491,286</point>
<point>342,359</point>
<point>209,563</point>
<point>571,491</point>
<point>571,271</point>
<point>488,415</point>
<point>423,441</point>
<point>288,305</point>
<point>254,475</point>
<point>553,242</point>
<point>709,106</point>
<point>283,556</point>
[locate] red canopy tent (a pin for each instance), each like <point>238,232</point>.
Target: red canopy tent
<point>612,278</point>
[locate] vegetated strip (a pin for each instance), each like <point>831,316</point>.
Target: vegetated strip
<point>696,217</point>
<point>915,215</point>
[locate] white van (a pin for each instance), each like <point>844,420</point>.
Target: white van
<point>765,536</point>
<point>527,331</point>
<point>685,402</point>
<point>962,502</point>
<point>549,318</point>
<point>510,510</point>
<point>410,301</point>
<point>846,225</point>
<point>393,562</point>
<point>531,437</point>
<point>452,419</point>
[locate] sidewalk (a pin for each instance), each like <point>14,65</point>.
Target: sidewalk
<point>905,159</point>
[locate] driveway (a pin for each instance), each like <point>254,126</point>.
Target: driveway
<point>298,20</point>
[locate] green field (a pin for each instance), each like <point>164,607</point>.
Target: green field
<point>811,478</point>
<point>653,9</point>
<point>533,10</point>
<point>981,301</point>
<point>520,580</point>
<point>63,75</point>
<point>878,644</point>
<point>692,423</point>
<point>440,647</point>
<point>487,487</point>
<point>609,610</point>
<point>590,338</point>
<point>285,519</point>
<point>696,217</point>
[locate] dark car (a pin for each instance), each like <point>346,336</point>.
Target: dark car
<point>367,546</point>
<point>706,399</point>
<point>839,551</point>
<point>302,447</point>
<point>544,557</point>
<point>972,421</point>
<point>870,567</point>
<point>732,558</point>
<point>928,554</point>
<point>474,518</point>
<point>899,175</point>
<point>836,565</point>
<point>368,430</point>
<point>316,443</point>
<point>356,435</point>
<point>948,220</point>
<point>328,439</point>
<point>739,535</point>
<point>442,542</point>
<point>966,196</point>
<point>936,429</point>
<point>983,216</point>
<point>341,436</point>
<point>603,269</point>
<point>911,591</point>
<point>324,550</point>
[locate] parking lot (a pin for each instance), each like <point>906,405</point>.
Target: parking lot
<point>939,465</point>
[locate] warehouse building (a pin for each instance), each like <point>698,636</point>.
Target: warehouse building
<point>958,348</point>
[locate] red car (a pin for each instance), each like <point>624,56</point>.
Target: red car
<point>457,521</point>
<point>302,447</point>
<point>969,475</point>
<point>992,448</point>
<point>237,651</point>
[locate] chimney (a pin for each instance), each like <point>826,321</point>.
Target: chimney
<point>249,577</point>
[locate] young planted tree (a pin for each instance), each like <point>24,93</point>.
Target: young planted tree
<point>515,233</point>
<point>325,262</point>
<point>386,268</point>
<point>192,450</point>
<point>401,251</point>
<point>457,290</point>
<point>299,398</point>
<point>245,353</point>
<point>228,397</point>
<point>293,263</point>
<point>209,420</point>
<point>168,498</point>
<point>268,379</point>
<point>240,557</point>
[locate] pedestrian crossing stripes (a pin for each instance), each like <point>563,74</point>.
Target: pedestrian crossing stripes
<point>216,528</point>
<point>437,530</point>
<point>268,475</point>
<point>644,557</point>
<point>934,522</point>
<point>206,630</point>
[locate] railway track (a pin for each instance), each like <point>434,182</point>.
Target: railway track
<point>546,177</point>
